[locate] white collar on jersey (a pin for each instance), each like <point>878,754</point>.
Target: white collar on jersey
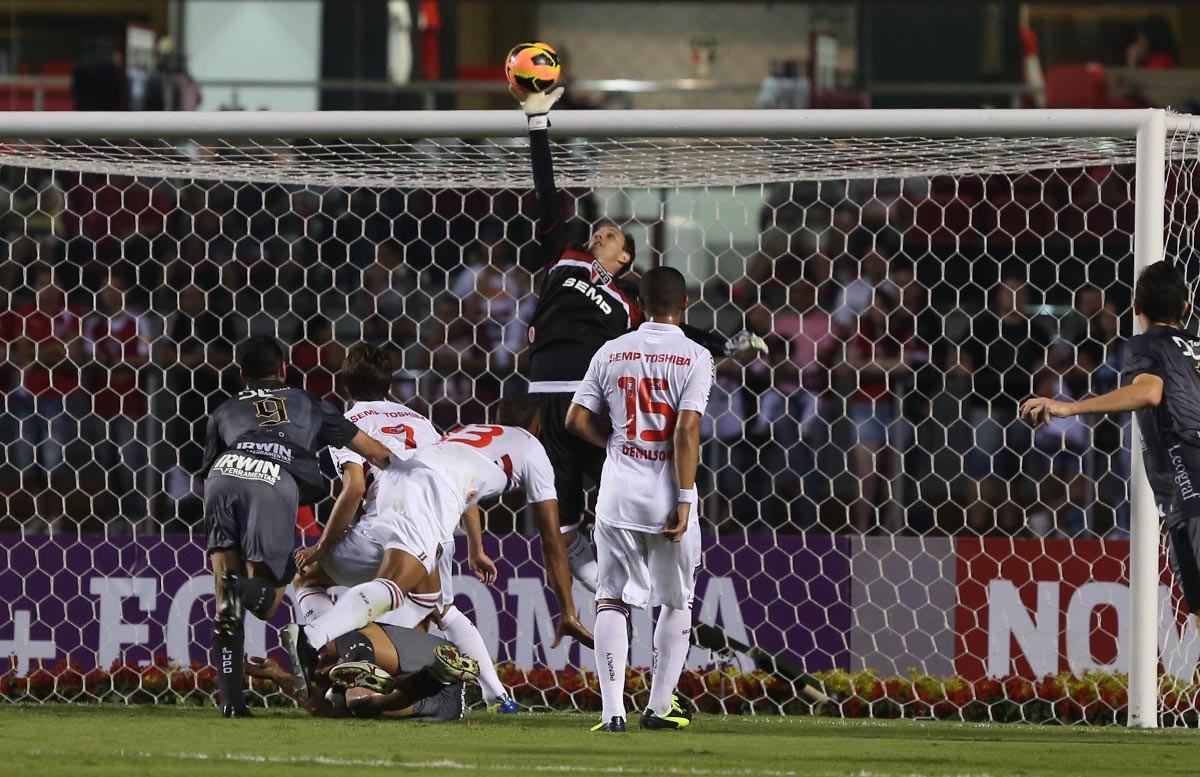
<point>657,327</point>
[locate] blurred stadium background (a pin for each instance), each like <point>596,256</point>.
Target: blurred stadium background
<point>906,316</point>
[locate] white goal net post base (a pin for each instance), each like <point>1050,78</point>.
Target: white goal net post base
<point>815,565</point>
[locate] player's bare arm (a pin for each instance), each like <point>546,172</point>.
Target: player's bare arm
<point>687,459</point>
<point>1144,391</point>
<point>477,558</point>
<point>586,424</point>
<point>370,449</point>
<point>269,669</point>
<point>554,559</point>
<point>354,485</point>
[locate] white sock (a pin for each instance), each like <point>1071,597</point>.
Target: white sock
<point>311,603</point>
<point>672,640</point>
<point>355,609</point>
<point>612,653</point>
<point>462,632</point>
<point>582,562</point>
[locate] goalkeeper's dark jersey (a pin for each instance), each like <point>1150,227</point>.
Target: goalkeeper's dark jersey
<point>273,421</point>
<point>580,308</point>
<point>1170,431</point>
<point>580,305</point>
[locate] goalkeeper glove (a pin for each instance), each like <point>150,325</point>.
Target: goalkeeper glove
<point>537,106</point>
<point>743,342</point>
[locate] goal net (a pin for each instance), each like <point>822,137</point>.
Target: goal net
<point>880,527</point>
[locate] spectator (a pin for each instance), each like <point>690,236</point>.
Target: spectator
<point>860,290</point>
<point>874,353</point>
<point>1060,449</point>
<point>120,217</point>
<point>1154,45</point>
<point>98,80</point>
<point>496,305</point>
<point>44,343</point>
<point>116,338</point>
<point>317,358</point>
<point>721,430</point>
<point>1003,349</point>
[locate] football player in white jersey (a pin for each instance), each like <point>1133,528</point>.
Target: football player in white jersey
<point>653,383</point>
<point>421,501</point>
<point>367,373</point>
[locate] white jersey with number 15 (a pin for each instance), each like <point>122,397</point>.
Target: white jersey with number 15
<point>645,379</point>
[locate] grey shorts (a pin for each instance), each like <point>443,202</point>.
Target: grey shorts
<point>415,651</point>
<point>1185,558</point>
<point>255,517</point>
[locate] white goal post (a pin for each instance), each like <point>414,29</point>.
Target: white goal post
<point>954,199</point>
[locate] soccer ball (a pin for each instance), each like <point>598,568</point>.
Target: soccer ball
<point>532,67</point>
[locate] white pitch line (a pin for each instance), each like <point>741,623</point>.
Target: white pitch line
<point>448,764</point>
<point>320,760</point>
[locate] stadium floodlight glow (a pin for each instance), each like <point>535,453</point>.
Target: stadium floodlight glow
<point>877,508</point>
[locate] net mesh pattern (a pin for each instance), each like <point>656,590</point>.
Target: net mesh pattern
<point>632,163</point>
<point>874,512</point>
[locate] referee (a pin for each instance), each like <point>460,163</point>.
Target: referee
<point>586,297</point>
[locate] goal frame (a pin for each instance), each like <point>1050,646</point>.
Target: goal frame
<point>1148,127</point>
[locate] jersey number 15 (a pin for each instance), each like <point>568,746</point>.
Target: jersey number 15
<point>638,398</point>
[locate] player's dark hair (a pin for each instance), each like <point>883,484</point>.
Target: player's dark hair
<point>259,357</point>
<point>1161,293</point>
<point>368,373</point>
<point>663,291</point>
<point>516,411</point>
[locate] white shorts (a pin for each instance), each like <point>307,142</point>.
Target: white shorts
<point>646,569</point>
<point>356,559</point>
<point>446,570</point>
<point>416,515</point>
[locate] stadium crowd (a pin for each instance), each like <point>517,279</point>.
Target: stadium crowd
<point>906,320</point>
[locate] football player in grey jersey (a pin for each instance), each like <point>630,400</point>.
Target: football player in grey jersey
<point>1161,384</point>
<point>384,671</point>
<point>260,464</point>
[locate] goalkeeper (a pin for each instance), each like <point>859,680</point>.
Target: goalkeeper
<point>587,296</point>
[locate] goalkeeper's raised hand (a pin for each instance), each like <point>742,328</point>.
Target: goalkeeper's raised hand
<point>537,106</point>
<point>745,343</point>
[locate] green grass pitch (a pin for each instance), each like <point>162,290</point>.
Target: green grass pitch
<point>164,741</point>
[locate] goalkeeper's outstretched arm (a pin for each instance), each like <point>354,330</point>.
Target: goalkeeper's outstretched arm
<point>551,226</point>
<point>743,343</point>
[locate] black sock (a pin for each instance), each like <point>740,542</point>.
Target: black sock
<point>227,645</point>
<point>257,594</point>
<point>354,646</point>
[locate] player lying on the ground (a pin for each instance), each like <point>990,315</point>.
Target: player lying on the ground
<point>653,385</point>
<point>583,302</point>
<point>1162,385</point>
<point>367,377</point>
<point>381,671</point>
<point>260,464</point>
<point>421,501</point>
